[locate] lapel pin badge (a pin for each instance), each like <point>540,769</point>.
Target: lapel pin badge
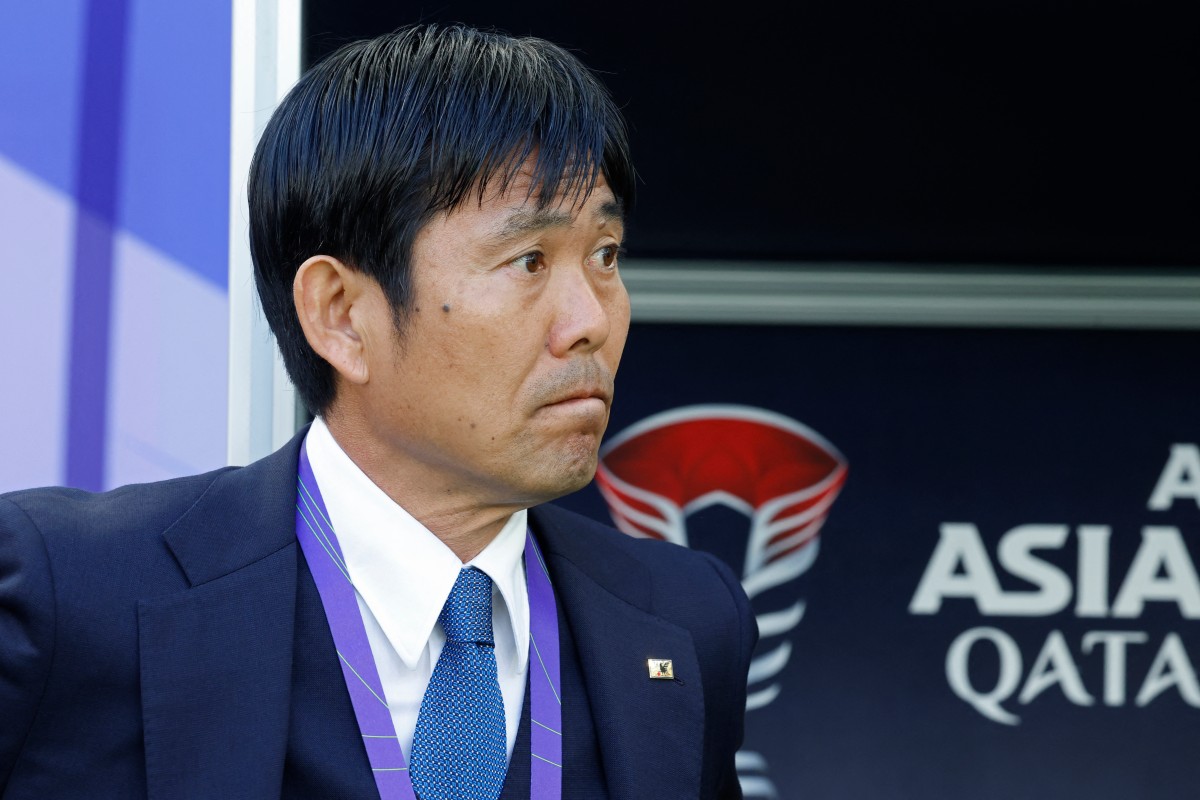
<point>661,668</point>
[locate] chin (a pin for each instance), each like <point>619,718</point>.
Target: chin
<point>556,477</point>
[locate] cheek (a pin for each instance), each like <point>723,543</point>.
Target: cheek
<point>483,355</point>
<point>618,326</point>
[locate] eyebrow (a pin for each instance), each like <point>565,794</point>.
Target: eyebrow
<point>523,223</point>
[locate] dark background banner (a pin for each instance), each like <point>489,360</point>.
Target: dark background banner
<point>985,428</point>
<point>942,131</point>
<point>983,465</point>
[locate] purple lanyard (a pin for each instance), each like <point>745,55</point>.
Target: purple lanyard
<point>338,596</point>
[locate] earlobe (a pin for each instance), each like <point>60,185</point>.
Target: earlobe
<point>325,291</point>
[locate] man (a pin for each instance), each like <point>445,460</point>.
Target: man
<point>436,217</point>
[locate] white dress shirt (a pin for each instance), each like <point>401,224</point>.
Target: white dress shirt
<point>403,575</point>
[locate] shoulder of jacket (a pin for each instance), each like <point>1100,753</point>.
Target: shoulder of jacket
<point>62,515</point>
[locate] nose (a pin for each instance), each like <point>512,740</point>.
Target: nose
<point>585,309</point>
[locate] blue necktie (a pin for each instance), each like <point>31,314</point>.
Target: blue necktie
<point>460,745</point>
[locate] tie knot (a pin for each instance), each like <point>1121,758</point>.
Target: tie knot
<point>467,615</point>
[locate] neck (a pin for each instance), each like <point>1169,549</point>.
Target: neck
<point>465,534</point>
<point>455,516</point>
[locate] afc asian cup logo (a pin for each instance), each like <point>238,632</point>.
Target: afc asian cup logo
<point>780,474</point>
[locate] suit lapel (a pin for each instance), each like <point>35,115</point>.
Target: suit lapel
<point>649,731</point>
<point>216,660</point>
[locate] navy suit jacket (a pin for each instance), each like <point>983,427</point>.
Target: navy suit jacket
<point>147,638</point>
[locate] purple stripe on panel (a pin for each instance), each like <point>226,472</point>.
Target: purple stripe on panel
<point>97,174</point>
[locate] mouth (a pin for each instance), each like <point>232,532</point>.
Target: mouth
<point>583,389</point>
<point>590,399</point>
<point>583,400</point>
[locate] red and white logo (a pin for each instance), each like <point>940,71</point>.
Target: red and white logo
<point>781,474</point>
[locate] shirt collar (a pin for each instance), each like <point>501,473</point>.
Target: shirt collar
<point>401,570</point>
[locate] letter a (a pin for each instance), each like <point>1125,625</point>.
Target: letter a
<point>1180,478</point>
<point>1161,570</point>
<point>1171,667</point>
<point>960,545</point>
<point>1055,665</point>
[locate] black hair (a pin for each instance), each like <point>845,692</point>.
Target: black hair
<point>387,132</point>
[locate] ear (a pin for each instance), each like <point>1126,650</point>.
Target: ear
<point>326,293</point>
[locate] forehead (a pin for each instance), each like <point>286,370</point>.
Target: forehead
<point>500,213</point>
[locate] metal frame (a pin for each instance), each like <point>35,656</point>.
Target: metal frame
<point>921,295</point>
<point>266,64</point>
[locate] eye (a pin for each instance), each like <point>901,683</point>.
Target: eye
<point>606,257</point>
<point>530,262</point>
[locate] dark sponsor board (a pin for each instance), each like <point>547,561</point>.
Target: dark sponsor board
<point>1002,600</point>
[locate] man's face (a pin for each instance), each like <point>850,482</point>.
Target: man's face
<point>500,384</point>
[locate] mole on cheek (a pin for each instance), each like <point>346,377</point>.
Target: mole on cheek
<point>446,307</point>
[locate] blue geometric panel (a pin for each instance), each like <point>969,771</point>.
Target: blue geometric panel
<point>174,188</point>
<point>40,70</point>
<point>114,174</point>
